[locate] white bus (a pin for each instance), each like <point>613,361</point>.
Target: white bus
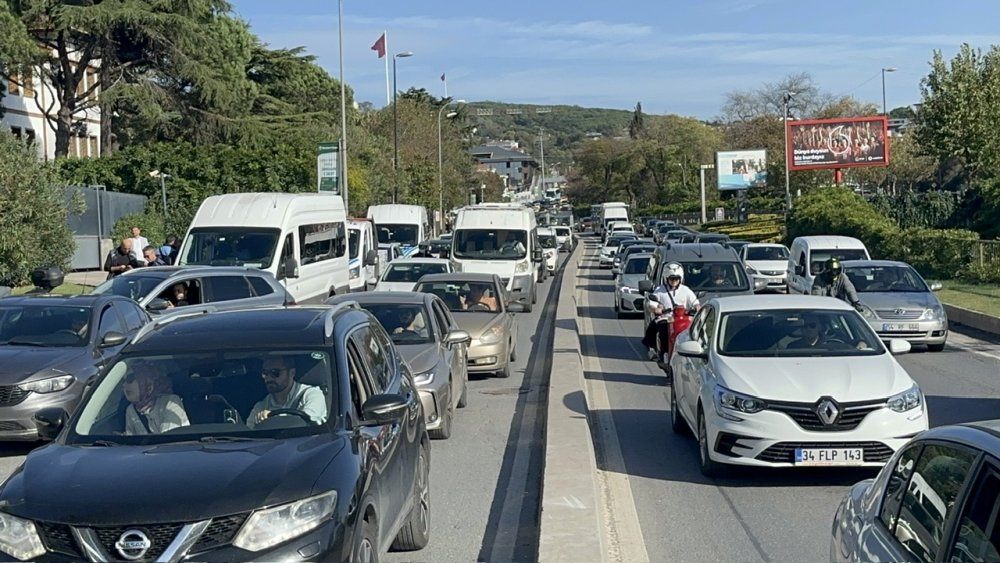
<point>406,225</point>
<point>500,238</point>
<point>300,238</point>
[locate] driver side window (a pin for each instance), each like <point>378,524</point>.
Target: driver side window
<point>707,332</point>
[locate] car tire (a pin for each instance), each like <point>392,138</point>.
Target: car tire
<point>677,422</point>
<point>443,432</point>
<point>709,468</point>
<point>534,295</point>
<point>513,351</point>
<point>463,399</point>
<point>368,546</point>
<point>935,347</point>
<point>505,372</point>
<point>416,533</point>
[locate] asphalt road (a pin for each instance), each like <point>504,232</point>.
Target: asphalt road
<point>754,515</point>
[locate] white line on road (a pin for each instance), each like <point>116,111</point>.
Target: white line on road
<point>625,542</point>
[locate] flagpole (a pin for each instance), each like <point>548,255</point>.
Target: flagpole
<point>388,97</point>
<point>446,87</point>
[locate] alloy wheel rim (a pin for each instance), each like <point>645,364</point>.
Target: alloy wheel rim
<point>367,552</point>
<point>703,441</point>
<point>424,494</point>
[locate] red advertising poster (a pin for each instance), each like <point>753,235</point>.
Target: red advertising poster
<point>838,143</point>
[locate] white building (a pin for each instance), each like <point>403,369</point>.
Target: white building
<point>23,117</point>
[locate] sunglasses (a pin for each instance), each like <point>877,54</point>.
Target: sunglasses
<point>272,373</point>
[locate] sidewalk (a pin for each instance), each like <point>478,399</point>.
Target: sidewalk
<point>90,278</point>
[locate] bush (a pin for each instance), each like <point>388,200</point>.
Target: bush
<point>839,211</point>
<point>936,253</point>
<point>33,211</point>
<point>151,225</point>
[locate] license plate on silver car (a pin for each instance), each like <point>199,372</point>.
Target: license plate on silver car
<point>900,327</point>
<point>829,456</point>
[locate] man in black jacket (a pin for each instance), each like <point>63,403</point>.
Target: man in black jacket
<point>121,259</point>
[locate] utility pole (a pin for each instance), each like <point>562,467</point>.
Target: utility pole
<point>788,184</point>
<point>343,109</point>
<point>704,209</point>
<point>541,140</point>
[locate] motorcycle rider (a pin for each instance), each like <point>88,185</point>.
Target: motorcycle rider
<point>833,282</point>
<point>669,294</point>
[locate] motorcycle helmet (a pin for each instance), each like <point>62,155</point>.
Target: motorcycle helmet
<point>833,266</point>
<point>673,270</point>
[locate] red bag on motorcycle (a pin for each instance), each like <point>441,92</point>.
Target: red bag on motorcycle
<point>682,321</point>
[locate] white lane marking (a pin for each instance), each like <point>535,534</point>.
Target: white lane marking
<point>625,542</point>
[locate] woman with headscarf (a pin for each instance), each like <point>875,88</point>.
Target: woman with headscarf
<point>152,409</point>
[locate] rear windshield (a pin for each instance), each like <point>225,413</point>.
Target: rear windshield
<point>767,253</point>
<point>715,276</point>
<point>412,272</point>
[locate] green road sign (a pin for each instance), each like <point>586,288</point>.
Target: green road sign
<point>327,168</point>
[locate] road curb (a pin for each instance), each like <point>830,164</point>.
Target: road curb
<point>571,527</point>
<point>972,319</point>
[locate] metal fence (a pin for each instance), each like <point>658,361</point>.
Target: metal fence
<point>93,226</point>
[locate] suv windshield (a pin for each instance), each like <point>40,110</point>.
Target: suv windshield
<point>716,277</point>
<point>795,333</point>
<point>464,297</point>
<point>412,272</point>
<point>231,246</point>
<point>896,279</point>
<point>403,234</point>
<point>406,323</point>
<point>767,253</point>
<point>44,325</point>
<point>134,286</point>
<point>485,244</point>
<point>207,396</point>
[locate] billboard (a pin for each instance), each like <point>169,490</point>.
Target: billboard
<point>740,170</point>
<point>838,143</point>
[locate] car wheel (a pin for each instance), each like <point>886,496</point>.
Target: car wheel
<point>463,399</point>
<point>443,432</point>
<point>505,372</point>
<point>534,295</point>
<point>677,422</point>
<point>368,548</point>
<point>709,468</point>
<point>416,533</point>
<point>935,347</point>
<point>513,351</point>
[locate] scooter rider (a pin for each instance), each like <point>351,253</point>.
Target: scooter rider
<point>671,293</point>
<point>833,282</point>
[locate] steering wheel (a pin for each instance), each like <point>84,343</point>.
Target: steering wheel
<point>480,307</point>
<point>296,412</point>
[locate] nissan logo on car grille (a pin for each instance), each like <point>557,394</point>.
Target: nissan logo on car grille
<point>133,545</point>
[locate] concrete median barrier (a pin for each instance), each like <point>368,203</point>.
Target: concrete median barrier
<point>571,521</point>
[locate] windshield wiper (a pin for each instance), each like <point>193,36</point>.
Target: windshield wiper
<point>15,342</point>
<point>103,443</point>
<point>223,439</point>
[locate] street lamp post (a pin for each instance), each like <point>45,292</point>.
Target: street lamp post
<point>885,70</point>
<point>395,126</point>
<point>343,108</point>
<point>788,185</point>
<point>441,162</point>
<point>163,188</point>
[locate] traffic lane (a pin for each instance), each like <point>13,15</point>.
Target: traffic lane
<point>755,512</point>
<point>486,478</point>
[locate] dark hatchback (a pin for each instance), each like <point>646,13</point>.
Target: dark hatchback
<point>52,347</point>
<point>336,469</point>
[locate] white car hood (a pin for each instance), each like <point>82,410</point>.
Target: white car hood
<point>768,265</point>
<point>502,268</point>
<point>846,379</point>
<point>395,286</point>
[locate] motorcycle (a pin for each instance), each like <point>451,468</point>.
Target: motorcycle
<point>680,319</point>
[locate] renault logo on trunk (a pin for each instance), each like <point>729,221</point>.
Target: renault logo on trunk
<point>827,411</point>
<point>133,545</point>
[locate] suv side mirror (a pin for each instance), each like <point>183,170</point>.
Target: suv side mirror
<point>290,268</point>
<point>899,346</point>
<point>536,255</point>
<point>112,339</point>
<point>50,422</point>
<point>692,349</point>
<point>371,258</point>
<point>157,305</point>
<point>383,409</point>
<point>645,286</point>
<point>458,337</point>
<point>515,307</point>
<point>936,286</point>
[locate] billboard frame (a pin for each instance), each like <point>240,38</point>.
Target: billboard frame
<point>790,149</point>
<point>718,170</point>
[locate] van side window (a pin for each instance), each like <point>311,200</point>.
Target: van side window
<point>802,262</point>
<point>321,241</point>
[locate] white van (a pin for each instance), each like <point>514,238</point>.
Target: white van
<point>807,256</point>
<point>364,267</point>
<point>406,225</point>
<point>500,238</point>
<point>300,238</point>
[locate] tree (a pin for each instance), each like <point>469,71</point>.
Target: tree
<point>902,112</point>
<point>636,125</point>
<point>34,214</point>
<point>960,109</point>
<point>768,100</point>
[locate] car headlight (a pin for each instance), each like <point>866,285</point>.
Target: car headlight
<point>627,289</point>
<point>48,385</point>
<point>492,335</point>
<point>867,312</point>
<point>933,313</point>
<point>355,272</point>
<point>272,526</point>
<point>19,537</point>
<point>424,378</point>
<point>751,270</point>
<point>728,400</point>
<point>522,267</point>
<point>907,400</point>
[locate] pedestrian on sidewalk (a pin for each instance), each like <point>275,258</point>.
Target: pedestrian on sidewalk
<point>168,252</point>
<point>138,243</point>
<point>152,256</point>
<point>121,259</point>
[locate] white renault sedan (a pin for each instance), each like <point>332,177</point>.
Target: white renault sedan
<point>791,381</point>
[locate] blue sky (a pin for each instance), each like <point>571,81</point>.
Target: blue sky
<point>674,56</point>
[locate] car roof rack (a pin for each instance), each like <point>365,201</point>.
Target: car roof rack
<point>330,313</point>
<point>163,320</point>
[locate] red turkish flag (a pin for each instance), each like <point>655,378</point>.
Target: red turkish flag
<point>379,46</point>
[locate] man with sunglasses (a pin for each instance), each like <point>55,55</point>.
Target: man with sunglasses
<point>811,334</point>
<point>283,392</point>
